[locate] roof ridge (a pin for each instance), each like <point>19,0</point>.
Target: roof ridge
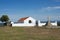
<point>22,19</point>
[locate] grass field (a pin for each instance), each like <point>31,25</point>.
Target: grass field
<point>18,33</point>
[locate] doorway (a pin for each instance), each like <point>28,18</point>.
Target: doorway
<point>36,23</point>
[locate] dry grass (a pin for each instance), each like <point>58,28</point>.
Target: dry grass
<point>32,33</point>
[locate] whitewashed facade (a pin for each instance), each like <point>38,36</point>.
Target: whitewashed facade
<point>32,23</point>
<point>54,24</point>
<point>41,24</point>
<point>26,23</point>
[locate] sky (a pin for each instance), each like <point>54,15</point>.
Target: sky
<point>38,9</point>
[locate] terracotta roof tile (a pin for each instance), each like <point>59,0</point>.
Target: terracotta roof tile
<point>22,19</point>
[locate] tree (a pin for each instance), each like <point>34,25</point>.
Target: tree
<point>0,19</point>
<point>4,18</point>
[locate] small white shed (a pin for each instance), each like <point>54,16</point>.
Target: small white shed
<point>26,21</point>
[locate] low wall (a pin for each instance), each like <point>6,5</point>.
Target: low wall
<point>30,25</point>
<point>41,24</point>
<point>54,24</point>
<point>22,25</point>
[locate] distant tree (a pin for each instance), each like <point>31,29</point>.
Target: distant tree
<point>0,19</point>
<point>4,18</point>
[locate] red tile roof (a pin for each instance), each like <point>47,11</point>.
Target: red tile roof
<point>22,19</point>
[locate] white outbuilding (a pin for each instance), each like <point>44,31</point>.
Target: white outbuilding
<point>26,21</point>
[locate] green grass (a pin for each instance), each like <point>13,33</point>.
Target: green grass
<point>20,33</point>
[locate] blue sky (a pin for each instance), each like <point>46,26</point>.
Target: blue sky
<point>37,9</point>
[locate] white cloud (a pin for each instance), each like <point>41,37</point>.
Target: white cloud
<point>57,7</point>
<point>51,8</point>
<point>57,0</point>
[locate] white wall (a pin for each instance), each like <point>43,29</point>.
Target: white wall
<point>30,18</point>
<point>54,24</point>
<point>22,25</point>
<point>41,24</point>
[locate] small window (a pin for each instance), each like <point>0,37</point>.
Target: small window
<point>30,21</point>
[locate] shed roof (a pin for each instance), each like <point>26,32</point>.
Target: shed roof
<point>22,19</point>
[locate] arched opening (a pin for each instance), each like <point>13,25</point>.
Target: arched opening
<point>30,21</point>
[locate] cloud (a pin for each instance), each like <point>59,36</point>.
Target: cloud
<point>56,0</point>
<point>57,7</point>
<point>51,8</point>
